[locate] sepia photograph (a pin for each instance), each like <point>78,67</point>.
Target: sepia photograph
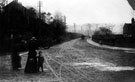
<point>67,40</point>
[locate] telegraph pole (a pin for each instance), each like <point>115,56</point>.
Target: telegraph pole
<point>39,5</point>
<point>39,9</point>
<point>81,30</point>
<point>74,27</point>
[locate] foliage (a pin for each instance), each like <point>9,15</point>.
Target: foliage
<point>59,27</point>
<point>18,24</point>
<point>103,31</point>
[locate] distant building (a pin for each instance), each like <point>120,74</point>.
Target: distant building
<point>129,28</point>
<point>14,5</point>
<point>15,17</point>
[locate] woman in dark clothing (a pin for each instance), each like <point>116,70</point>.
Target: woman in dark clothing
<point>31,65</point>
<point>16,60</point>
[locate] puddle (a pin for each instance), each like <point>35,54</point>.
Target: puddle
<point>103,66</point>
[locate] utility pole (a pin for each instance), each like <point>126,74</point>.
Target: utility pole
<point>39,9</point>
<point>39,5</point>
<point>74,27</point>
<point>81,30</point>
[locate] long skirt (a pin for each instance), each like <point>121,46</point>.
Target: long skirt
<point>31,65</point>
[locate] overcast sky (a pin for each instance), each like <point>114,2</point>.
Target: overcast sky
<point>87,11</point>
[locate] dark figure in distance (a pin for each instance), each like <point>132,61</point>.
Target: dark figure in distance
<point>40,61</point>
<point>16,59</point>
<point>82,37</point>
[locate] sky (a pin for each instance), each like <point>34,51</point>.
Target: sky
<point>87,11</point>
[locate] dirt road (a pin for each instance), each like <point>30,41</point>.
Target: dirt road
<point>82,62</point>
<point>76,61</point>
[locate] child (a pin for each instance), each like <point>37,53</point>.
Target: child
<point>40,61</point>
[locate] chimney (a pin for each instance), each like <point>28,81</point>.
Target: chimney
<point>132,20</point>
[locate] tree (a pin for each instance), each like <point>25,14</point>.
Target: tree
<point>103,31</point>
<point>48,18</point>
<point>59,26</point>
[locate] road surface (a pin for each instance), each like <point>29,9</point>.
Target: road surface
<point>76,61</point>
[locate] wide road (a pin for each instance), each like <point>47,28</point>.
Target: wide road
<point>79,61</point>
<point>76,61</point>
